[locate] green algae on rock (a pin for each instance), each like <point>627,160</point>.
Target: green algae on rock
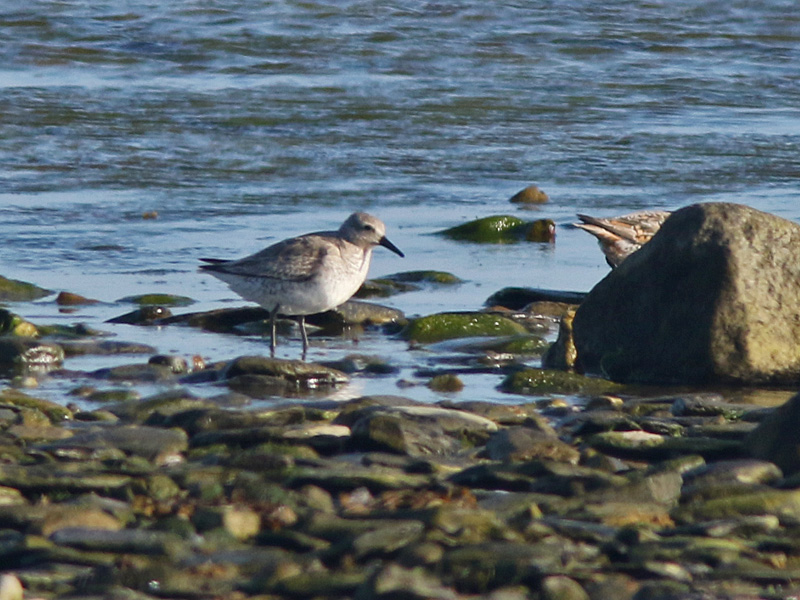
<point>13,290</point>
<point>55,412</point>
<point>13,324</point>
<point>502,229</point>
<point>447,326</point>
<point>544,381</point>
<point>157,299</point>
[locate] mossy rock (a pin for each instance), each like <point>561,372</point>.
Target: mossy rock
<point>425,276</point>
<point>13,290</point>
<point>55,412</point>
<point>503,229</point>
<point>543,381</point>
<point>500,229</point>
<point>157,300</point>
<point>13,324</point>
<point>448,326</point>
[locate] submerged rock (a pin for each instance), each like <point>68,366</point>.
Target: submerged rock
<point>157,300</point>
<point>714,296</point>
<point>445,326</point>
<point>147,315</point>
<point>407,281</point>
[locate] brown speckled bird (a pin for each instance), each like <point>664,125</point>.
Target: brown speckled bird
<point>621,236</point>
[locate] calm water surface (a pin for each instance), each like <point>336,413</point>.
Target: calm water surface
<point>241,123</point>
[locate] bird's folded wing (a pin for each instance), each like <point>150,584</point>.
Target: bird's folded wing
<point>295,259</point>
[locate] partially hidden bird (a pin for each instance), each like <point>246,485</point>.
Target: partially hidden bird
<point>619,237</point>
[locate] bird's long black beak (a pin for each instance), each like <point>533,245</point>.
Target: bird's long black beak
<point>387,244</point>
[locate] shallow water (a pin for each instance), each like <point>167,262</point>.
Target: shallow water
<point>241,123</point>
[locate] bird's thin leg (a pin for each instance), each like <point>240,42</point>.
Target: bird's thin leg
<point>304,335</point>
<point>272,317</point>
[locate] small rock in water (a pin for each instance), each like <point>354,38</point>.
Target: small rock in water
<point>71,299</point>
<point>12,290</point>
<point>157,300</point>
<point>501,229</point>
<point>446,326</point>
<point>446,382</point>
<point>529,195</point>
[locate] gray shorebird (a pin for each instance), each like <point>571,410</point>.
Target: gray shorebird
<point>308,274</point>
<point>621,236</point>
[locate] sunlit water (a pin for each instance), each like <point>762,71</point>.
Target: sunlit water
<point>241,123</point>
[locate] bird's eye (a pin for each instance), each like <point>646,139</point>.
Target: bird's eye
<point>368,227</point>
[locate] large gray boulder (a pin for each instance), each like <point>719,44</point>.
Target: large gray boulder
<point>714,296</point>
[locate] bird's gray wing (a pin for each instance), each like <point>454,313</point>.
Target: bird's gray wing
<point>295,259</point>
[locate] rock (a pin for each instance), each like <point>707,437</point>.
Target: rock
<point>64,517</point>
<point>55,412</point>
<point>299,374</point>
<point>775,439</point>
<point>71,299</point>
<point>644,445</point>
<point>157,300</point>
<point>517,298</point>
<point>416,430</point>
<point>356,312</point>
<point>785,504</point>
<point>103,348</point>
<point>562,353</point>
<point>147,315</point>
<point>407,281</point>
<point>488,230</point>
<point>542,381</point>
<point>138,373</point>
<point>13,290</point>
<point>446,383</point>
<point>540,230</point>
<point>130,541</point>
<point>559,587</point>
<point>239,521</point>
<point>64,479</point>
<point>529,195</point>
<point>445,326</point>
<point>152,443</point>
<point>394,581</point>
<point>516,444</point>
<point>12,324</point>
<point>714,296</point>
<point>223,320</point>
